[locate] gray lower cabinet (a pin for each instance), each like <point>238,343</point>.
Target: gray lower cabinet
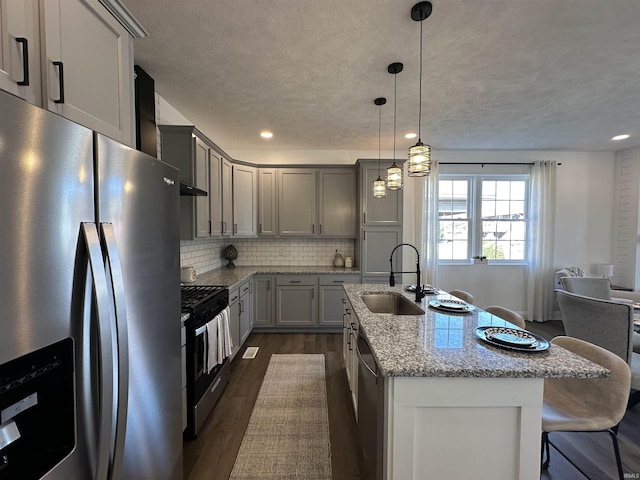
<point>264,295</point>
<point>331,306</point>
<point>234,319</point>
<point>245,310</point>
<point>296,300</point>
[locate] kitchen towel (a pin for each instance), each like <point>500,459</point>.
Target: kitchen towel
<point>225,345</point>
<point>211,348</point>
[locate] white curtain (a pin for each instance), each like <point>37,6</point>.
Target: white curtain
<point>540,242</point>
<point>429,232</point>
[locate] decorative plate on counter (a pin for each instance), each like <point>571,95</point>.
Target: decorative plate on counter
<point>427,289</point>
<point>512,339</point>
<point>451,305</point>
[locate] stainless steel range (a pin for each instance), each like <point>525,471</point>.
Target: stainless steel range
<point>203,303</point>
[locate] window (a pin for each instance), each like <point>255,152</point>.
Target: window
<point>482,215</point>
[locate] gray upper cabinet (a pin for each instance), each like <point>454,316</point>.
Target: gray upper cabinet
<point>317,202</point>
<point>201,181</point>
<point>337,202</point>
<point>227,198</point>
<point>245,200</point>
<point>380,226</point>
<point>79,58</point>
<point>184,147</point>
<point>297,201</point>
<point>377,244</point>
<point>88,72</point>
<point>215,194</point>
<point>267,202</point>
<point>378,211</point>
<point>20,49</point>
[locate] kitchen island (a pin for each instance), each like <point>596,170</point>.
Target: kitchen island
<point>454,406</point>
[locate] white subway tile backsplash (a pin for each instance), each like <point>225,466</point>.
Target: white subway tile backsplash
<point>206,254</point>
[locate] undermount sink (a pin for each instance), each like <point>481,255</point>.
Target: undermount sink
<point>390,302</point>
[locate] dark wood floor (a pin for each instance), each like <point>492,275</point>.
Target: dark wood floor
<point>211,456</point>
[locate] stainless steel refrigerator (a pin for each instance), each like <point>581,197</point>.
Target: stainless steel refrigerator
<point>90,359</point>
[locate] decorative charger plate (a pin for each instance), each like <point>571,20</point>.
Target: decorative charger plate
<point>428,289</point>
<point>451,305</point>
<point>512,339</point>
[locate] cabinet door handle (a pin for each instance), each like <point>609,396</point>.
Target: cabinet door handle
<point>364,235</point>
<point>260,227</point>
<point>364,217</point>
<point>313,228</point>
<point>233,299</point>
<point>209,227</point>
<point>235,228</point>
<point>320,228</point>
<point>339,281</point>
<point>60,66</point>
<point>295,281</point>
<point>25,61</point>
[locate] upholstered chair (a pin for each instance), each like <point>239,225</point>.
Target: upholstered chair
<point>605,323</point>
<point>600,287</point>
<point>462,295</point>
<point>508,315</point>
<point>586,405</point>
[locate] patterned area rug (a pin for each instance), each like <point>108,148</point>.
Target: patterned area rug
<point>288,433</point>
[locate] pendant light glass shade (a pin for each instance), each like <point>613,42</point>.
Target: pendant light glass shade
<point>379,186</point>
<point>379,189</point>
<point>420,154</point>
<point>419,160</point>
<point>394,173</point>
<point>394,177</point>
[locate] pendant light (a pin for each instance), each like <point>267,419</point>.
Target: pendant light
<point>420,154</point>
<point>379,187</point>
<point>394,173</point>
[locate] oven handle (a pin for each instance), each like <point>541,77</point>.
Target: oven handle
<point>201,330</point>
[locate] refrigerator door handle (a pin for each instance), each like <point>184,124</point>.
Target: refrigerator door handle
<point>121,354</point>
<point>105,342</point>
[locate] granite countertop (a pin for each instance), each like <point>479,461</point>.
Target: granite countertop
<point>442,344</point>
<point>234,276</point>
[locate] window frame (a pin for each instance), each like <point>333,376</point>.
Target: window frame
<point>474,192</point>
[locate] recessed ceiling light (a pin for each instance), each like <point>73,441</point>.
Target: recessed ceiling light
<point>266,134</point>
<point>620,137</point>
<point>410,135</point>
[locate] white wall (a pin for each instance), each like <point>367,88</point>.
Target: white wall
<point>583,223</point>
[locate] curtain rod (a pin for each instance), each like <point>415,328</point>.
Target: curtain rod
<point>488,163</point>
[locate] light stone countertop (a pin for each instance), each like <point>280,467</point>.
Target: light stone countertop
<point>443,344</point>
<point>234,276</point>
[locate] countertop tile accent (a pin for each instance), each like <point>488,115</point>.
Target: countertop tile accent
<point>234,276</point>
<point>442,344</point>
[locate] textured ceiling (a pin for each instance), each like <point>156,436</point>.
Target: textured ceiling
<point>498,74</point>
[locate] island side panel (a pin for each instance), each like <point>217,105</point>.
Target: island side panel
<point>463,428</point>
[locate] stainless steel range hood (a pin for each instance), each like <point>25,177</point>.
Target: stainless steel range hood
<point>190,190</point>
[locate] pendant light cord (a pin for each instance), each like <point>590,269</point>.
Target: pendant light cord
<point>379,114</point>
<point>395,104</point>
<point>420,94</point>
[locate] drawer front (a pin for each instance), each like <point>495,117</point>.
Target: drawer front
<point>338,279</point>
<point>311,280</point>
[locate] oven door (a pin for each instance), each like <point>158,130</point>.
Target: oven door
<point>203,389</point>
<point>201,379</point>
